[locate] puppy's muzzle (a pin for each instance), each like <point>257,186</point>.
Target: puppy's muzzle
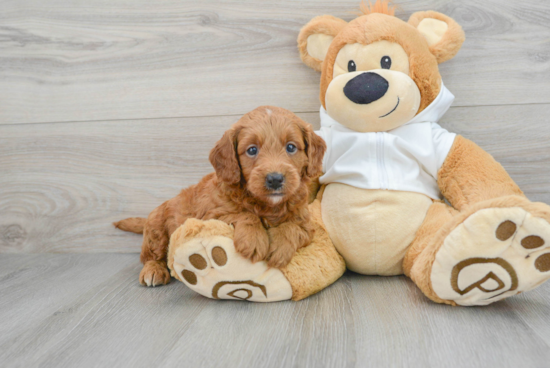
<point>274,181</point>
<point>366,88</point>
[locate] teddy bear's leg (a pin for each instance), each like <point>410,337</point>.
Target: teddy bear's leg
<point>496,246</point>
<point>202,256</point>
<point>495,249</point>
<point>438,215</point>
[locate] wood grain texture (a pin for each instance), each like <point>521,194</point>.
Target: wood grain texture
<point>358,322</point>
<point>394,312</point>
<point>81,60</point>
<point>34,290</point>
<point>109,107</point>
<point>63,184</point>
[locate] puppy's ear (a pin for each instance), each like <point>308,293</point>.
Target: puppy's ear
<point>315,38</point>
<point>224,158</point>
<point>315,151</point>
<point>443,34</point>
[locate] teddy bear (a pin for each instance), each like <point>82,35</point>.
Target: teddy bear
<point>388,169</point>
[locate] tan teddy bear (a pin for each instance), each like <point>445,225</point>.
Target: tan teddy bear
<point>389,165</point>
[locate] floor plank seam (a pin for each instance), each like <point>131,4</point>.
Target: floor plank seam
<point>229,115</point>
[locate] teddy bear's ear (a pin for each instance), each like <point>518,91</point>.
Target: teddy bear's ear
<point>444,35</point>
<point>315,38</point>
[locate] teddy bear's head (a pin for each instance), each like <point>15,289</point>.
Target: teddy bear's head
<point>377,71</point>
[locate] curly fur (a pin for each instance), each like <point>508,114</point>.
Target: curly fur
<point>267,227</point>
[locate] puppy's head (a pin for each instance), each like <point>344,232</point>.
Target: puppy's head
<point>270,152</point>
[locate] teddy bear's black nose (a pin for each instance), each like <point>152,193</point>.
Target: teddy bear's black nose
<point>366,88</point>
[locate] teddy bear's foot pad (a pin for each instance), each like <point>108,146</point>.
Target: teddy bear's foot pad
<point>495,253</point>
<point>213,268</point>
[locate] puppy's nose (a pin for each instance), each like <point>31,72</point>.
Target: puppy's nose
<point>274,181</point>
<point>366,88</point>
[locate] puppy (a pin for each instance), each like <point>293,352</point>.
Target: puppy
<point>263,166</point>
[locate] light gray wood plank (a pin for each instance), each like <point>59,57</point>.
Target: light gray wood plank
<point>64,184</point>
<point>10,263</point>
<point>316,332</point>
<point>82,60</point>
<point>115,323</point>
<point>398,326</point>
<point>39,284</point>
<point>534,308</point>
<point>360,321</point>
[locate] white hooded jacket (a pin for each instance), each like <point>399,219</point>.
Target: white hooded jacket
<point>406,158</point>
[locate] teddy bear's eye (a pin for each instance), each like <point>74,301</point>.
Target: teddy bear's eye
<point>385,63</point>
<point>351,66</point>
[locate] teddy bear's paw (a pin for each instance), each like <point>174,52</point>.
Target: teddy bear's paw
<point>211,267</point>
<point>495,253</point>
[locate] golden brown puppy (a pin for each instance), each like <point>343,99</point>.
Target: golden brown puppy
<point>263,165</point>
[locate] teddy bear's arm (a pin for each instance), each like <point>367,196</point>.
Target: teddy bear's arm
<point>470,175</point>
<point>317,265</point>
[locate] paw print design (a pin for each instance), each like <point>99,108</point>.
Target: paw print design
<point>202,255</point>
<point>495,253</point>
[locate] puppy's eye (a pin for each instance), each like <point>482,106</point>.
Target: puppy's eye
<point>385,63</point>
<point>291,148</point>
<point>351,66</point>
<point>252,151</point>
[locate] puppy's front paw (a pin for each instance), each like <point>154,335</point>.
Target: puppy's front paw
<point>252,244</point>
<point>280,255</point>
<point>154,273</point>
<point>284,241</point>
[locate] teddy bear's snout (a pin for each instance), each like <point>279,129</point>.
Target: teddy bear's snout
<point>366,88</point>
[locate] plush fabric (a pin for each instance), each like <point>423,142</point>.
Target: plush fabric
<point>448,45</point>
<point>473,243</point>
<point>491,243</point>
<point>390,107</point>
<point>317,45</point>
<point>202,255</point>
<point>324,25</point>
<point>412,154</point>
<point>471,175</point>
<point>373,229</point>
<point>377,27</point>
<point>317,265</point>
<point>437,216</point>
<point>433,30</point>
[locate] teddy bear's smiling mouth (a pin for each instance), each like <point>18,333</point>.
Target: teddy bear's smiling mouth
<point>383,116</point>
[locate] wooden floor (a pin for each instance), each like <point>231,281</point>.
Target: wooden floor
<point>109,107</point>
<point>87,310</point>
